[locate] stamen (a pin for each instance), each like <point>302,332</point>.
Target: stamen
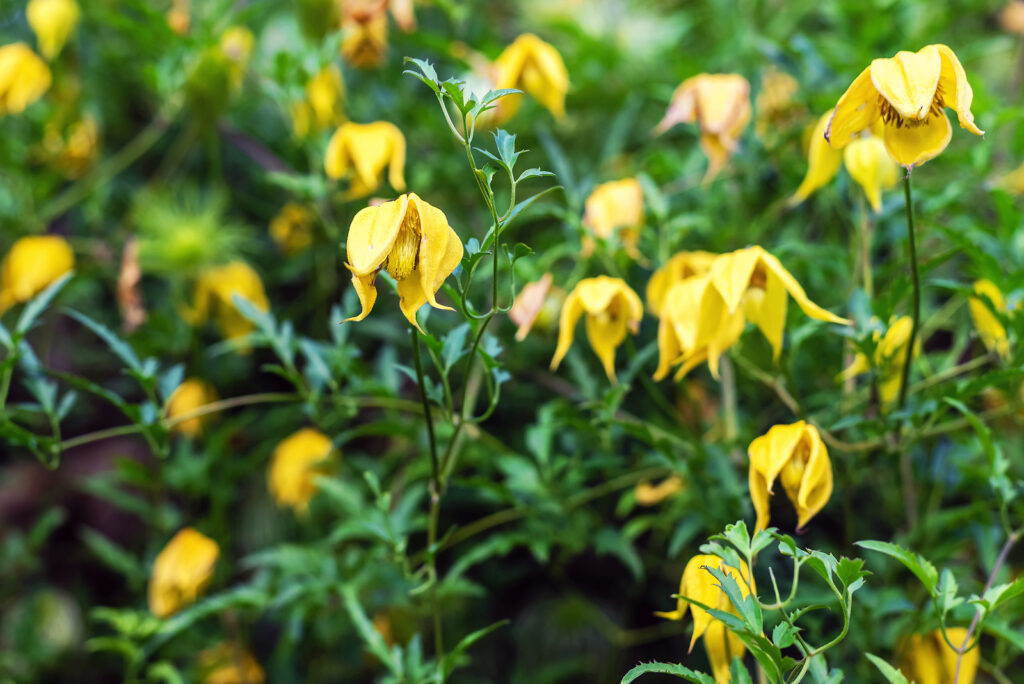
<point>405,253</point>
<point>891,117</point>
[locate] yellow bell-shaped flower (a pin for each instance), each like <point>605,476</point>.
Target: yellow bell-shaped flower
<point>615,209</point>
<point>214,297</point>
<point>681,266</point>
<point>365,151</point>
<point>229,663</point>
<point>52,21</point>
<point>32,265</point>
<point>292,228</point>
<point>648,494</point>
<point>364,33</point>
<point>75,151</point>
<point>181,572</point>
<point>321,107</point>
<point>413,242</point>
<point>776,104</point>
<point>889,359</point>
<point>611,307</point>
<point>928,659</point>
<point>909,93</point>
<point>24,77</point>
<point>535,67</point>
<point>236,44</point>
<point>297,460</point>
<point>796,455</point>
<point>992,332</point>
<point>190,395</point>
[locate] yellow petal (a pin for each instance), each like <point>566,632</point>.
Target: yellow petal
<point>416,290</point>
<point>372,235</point>
<point>913,145</point>
<point>767,310</point>
<point>296,461</point>
<point>614,205</point>
<point>718,149</point>
<point>955,89</point>
<point>908,80</point>
<point>991,331</point>
<point>822,162</point>
<point>683,106</point>
<point>860,365</point>
<point>856,110</point>
<point>775,268</point>
<point>52,21</point>
<point>435,251</point>
<point>770,452</point>
<point>722,646</point>
<point>816,486</point>
<point>722,100</point>
<point>870,165</point>
<point>572,309</point>
<point>536,67</point>
<point>367,150</point>
<point>969,662</point>
<point>759,494</point>
<point>24,77</point>
<point>605,332</point>
<point>367,293</point>
<point>730,274</point>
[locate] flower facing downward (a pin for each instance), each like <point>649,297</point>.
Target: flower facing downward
<point>611,307</point>
<point>24,77</point>
<point>364,151</point>
<point>215,292</point>
<point>365,33</point>
<point>535,67</point>
<point>796,454</point>
<point>292,228</point>
<point>889,358</point>
<point>181,572</point>
<point>615,206</point>
<point>297,461</point>
<point>992,332</point>
<point>908,93</point>
<point>413,242</point>
<point>681,266</point>
<point>190,395</point>
<point>647,494</point>
<point>52,21</point>
<point>229,663</point>
<point>31,266</point>
<point>928,659</point>
<point>536,304</point>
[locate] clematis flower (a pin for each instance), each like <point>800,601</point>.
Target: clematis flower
<point>720,105</point>
<point>52,21</point>
<point>928,659</point>
<point>75,151</point>
<point>611,308</point>
<point>888,361</point>
<point>229,663</point>
<point>992,332</point>
<point>32,265</point>
<point>681,266</point>
<point>647,494</point>
<point>776,104</point>
<point>214,297</point>
<point>537,303</point>
<point>699,584</point>
<point>615,207</point>
<point>1012,17</point>
<point>297,460</point>
<point>535,67</point>
<point>322,106</point>
<point>413,242</point>
<point>796,455</point>
<point>364,151</point>
<point>190,395</point>
<point>909,94</point>
<point>292,228</point>
<point>24,77</point>
<point>236,44</point>
<point>866,158</point>
<point>364,33</point>
<point>181,572</point>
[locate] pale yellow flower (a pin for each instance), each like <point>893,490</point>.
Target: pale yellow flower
<point>928,659</point>
<point>52,21</point>
<point>292,228</point>
<point>297,461</point>
<point>24,77</point>
<point>538,303</point>
<point>32,265</point>
<point>214,297</point>
<point>647,494</point>
<point>365,33</point>
<point>190,395</point>
<point>363,152</point>
<point>535,67</point>
<point>991,331</point>
<point>776,103</point>
<point>615,209</point>
<point>889,359</point>
<point>181,572</point>
<point>321,108</point>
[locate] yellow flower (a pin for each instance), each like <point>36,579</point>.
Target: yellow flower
<point>76,153</point>
<point>1012,17</point>
<point>796,454</point>
<point>615,206</point>
<point>32,265</point>
<point>681,266</point>
<point>214,297</point>
<point>647,494</point>
<point>909,93</point>
<point>928,659</point>
<point>775,103</point>
<point>889,358</point>
<point>413,242</point>
<point>535,67</point>
<point>322,107</point>
<point>720,105</point>
<point>538,303</point>
<point>229,663</point>
<point>181,572</point>
<point>52,21</point>
<point>365,33</point>
<point>1013,182</point>
<point>178,18</point>
<point>700,585</point>
<point>236,44</point>
<point>611,308</point>
<point>992,332</point>
<point>189,396</point>
<point>366,150</point>
<point>292,228</point>
<point>296,462</point>
<point>866,159</point>
<point>24,77</point>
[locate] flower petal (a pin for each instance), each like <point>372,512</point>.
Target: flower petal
<point>776,269</point>
<point>730,274</point>
<point>769,452</point>
<point>816,486</point>
<point>822,162</point>
<point>596,293</point>
<point>722,646</point>
<point>605,331</point>
<point>908,80</point>
<point>722,100</point>
<point>856,110</point>
<point>767,310</point>
<point>367,293</point>
<point>870,165</point>
<point>372,235</point>
<point>955,88</point>
<point>572,309</point>
<point>913,145</point>
<point>683,106</point>
<point>435,234</point>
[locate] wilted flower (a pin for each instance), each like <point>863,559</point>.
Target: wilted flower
<point>74,152</point>
<point>181,572</point>
<point>796,455</point>
<point>52,21</point>
<point>214,297</point>
<point>535,67</point>
<point>681,266</point>
<point>296,462</point>
<point>32,265</point>
<point>889,359</point>
<point>190,395</point>
<point>720,105</point>
<point>776,104</point>
<point>413,242</point>
<point>909,93</point>
<point>647,494</point>
<point>24,77</point>
<point>365,33</point>
<point>229,663</point>
<point>615,207</point>
<point>366,150</point>
<point>322,106</point>
<point>992,332</point>
<point>129,297</point>
<point>611,307</point>
<point>1012,17</point>
<point>537,303</point>
<point>928,659</point>
<point>292,228</point>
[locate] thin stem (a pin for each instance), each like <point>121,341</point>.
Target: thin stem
<point>916,302</point>
<point>417,362</point>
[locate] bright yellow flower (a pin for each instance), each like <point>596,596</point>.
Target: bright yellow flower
<point>889,359</point>
<point>648,495</point>
<point>189,396</point>
<point>31,266</point>
<point>413,242</point>
<point>776,103</point>
<point>24,77</point>
<point>365,33</point>
<point>365,151</point>
<point>181,572</point>
<point>866,159</point>
<point>292,228</point>
<point>681,266</point>
<point>535,67</point>
<point>229,663</point>
<point>909,93</point>
<point>928,659</point>
<point>214,297</point>
<point>992,332</point>
<point>611,307</point>
<point>720,105</point>
<point>796,454</point>
<point>297,460</point>
<point>538,303</point>
<point>616,206</point>
<point>322,106</point>
<point>52,21</point>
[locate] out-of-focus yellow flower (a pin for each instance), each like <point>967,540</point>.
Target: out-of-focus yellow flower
<point>189,396</point>
<point>1013,182</point>
<point>681,266</point>
<point>616,206</point>
<point>292,228</point>
<point>889,358</point>
<point>412,241</point>
<point>796,455</point>
<point>865,156</point>
<point>31,266</point>
<point>24,77</point>
<point>720,105</point>
<point>700,585</point>
<point>322,107</point>
<point>992,332</point>
<point>178,17</point>
<point>647,494</point>
<point>229,663</point>
<point>52,21</point>
<point>538,303</point>
<point>75,152</point>
<point>611,307</point>
<point>535,67</point>
<point>236,43</point>
<point>775,104</point>
<point>1012,17</point>
<point>365,33</point>
<point>909,93</point>
<point>928,659</point>
<point>297,460</point>
<point>214,297</point>
<point>366,150</point>
<point>181,572</point>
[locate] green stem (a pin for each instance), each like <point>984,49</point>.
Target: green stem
<point>418,363</point>
<point>916,310</point>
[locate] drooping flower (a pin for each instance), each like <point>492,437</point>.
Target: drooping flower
<point>928,659</point>
<point>535,67</point>
<point>190,395</point>
<point>909,94</point>
<point>776,106</point>
<point>236,43</point>
<point>181,572</point>
<point>796,455</point>
<point>364,151</point>
<point>1012,17</point>
<point>681,266</point>
<point>52,21</point>
<point>321,108</point>
<point>615,209</point>
<point>229,663</point>
<point>888,361</point>
<point>364,33</point>
<point>412,241</point>
<point>992,332</point>
<point>537,303</point>
<point>611,308</point>
<point>292,228</point>
<point>297,460</point>
<point>720,105</point>
<point>24,77</point>
<point>74,151</point>
<point>214,297</point>
<point>32,265</point>
<point>129,295</point>
<point>647,494</point>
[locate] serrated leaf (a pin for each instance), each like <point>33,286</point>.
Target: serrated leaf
<point>916,563</point>
<point>669,669</point>
<point>784,635</point>
<point>37,305</point>
<point>116,344</point>
<point>892,675</point>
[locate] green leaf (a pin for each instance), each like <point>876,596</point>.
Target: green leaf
<point>611,541</point>
<point>916,563</point>
<point>947,590</point>
<point>116,344</point>
<point>114,556</point>
<point>892,675</point>
<point>37,306</point>
<point>667,668</point>
<point>454,342</point>
<point>456,657</point>
<point>851,573</point>
<point>521,206</point>
<point>426,73</point>
<point>374,641</point>
<point>784,635</point>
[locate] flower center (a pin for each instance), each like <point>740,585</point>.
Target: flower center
<point>891,117</point>
<point>404,255</point>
